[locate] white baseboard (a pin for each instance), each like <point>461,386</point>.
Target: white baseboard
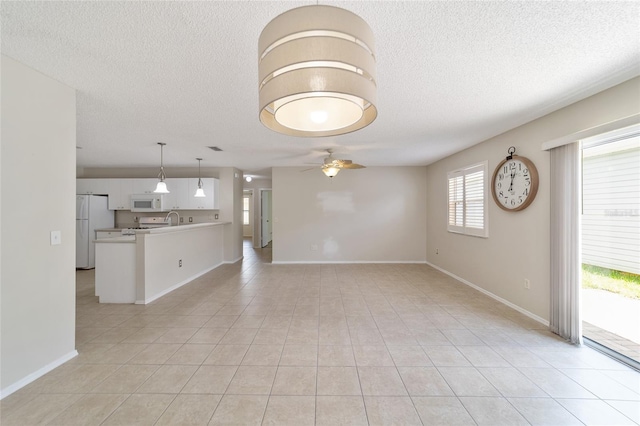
<point>347,262</point>
<point>233,261</point>
<point>491,295</point>
<point>37,374</point>
<point>177,286</point>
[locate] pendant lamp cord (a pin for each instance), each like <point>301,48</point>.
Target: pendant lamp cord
<point>161,175</point>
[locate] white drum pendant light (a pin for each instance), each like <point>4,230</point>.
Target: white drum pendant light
<point>317,72</point>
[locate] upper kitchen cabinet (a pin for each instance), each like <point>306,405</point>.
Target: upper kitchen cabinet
<point>92,186</point>
<point>211,188</point>
<point>144,186</point>
<point>178,196</point>
<point>120,191</point>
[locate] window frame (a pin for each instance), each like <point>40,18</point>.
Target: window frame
<point>463,228</point>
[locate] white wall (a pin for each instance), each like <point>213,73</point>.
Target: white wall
<point>200,249</point>
<point>518,243</point>
<point>231,211</point>
<point>256,185</point>
<point>38,196</point>
<point>375,214</point>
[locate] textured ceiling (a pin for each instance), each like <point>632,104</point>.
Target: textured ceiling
<point>450,74</point>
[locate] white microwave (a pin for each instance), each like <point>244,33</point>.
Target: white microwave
<point>147,203</point>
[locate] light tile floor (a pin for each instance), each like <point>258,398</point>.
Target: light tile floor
<point>256,343</point>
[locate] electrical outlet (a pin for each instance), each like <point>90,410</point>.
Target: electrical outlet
<point>180,263</point>
<point>182,220</point>
<point>527,284</point>
<point>190,219</point>
<point>135,218</point>
<point>216,216</point>
<point>436,251</point>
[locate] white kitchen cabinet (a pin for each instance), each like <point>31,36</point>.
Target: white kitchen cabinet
<point>92,186</point>
<point>178,196</point>
<point>107,234</point>
<point>144,186</point>
<point>120,191</point>
<point>210,187</point>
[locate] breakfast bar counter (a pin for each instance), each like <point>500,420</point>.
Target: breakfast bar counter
<point>142,267</point>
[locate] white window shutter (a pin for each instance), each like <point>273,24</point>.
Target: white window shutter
<point>467,203</point>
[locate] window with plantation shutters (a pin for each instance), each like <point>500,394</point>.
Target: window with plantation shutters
<point>467,200</point>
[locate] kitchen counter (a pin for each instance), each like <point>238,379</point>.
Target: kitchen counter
<point>131,239</point>
<point>172,227</point>
<point>143,267</point>
<point>178,228</point>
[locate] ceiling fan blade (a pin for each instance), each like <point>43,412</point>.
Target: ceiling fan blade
<point>306,170</point>
<point>353,166</point>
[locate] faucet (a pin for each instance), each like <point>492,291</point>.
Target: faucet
<point>166,219</point>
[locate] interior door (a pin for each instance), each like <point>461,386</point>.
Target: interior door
<point>265,213</point>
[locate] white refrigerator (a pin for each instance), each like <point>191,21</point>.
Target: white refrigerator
<point>92,213</point>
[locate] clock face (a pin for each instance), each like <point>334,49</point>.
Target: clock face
<point>515,183</point>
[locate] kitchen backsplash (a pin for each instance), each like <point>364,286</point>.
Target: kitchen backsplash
<point>127,219</point>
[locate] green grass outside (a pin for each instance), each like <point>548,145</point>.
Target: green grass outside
<point>623,283</point>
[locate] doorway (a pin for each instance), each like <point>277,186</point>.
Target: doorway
<point>247,214</point>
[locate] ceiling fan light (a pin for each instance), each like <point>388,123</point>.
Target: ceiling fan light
<point>330,171</point>
<point>317,72</point>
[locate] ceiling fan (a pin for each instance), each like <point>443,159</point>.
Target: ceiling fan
<point>331,166</point>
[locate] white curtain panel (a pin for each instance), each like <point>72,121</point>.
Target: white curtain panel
<point>565,242</point>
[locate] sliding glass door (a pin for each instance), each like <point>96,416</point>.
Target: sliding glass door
<point>611,243</point>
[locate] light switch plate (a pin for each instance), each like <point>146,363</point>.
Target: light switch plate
<point>56,238</point>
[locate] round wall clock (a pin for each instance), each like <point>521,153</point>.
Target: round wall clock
<point>515,182</point>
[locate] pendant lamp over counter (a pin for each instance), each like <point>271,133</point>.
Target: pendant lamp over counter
<point>199,192</point>
<point>161,188</point>
<point>317,72</point>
